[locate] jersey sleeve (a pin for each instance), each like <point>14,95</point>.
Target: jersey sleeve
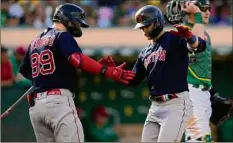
<point>140,72</point>
<point>25,66</point>
<point>67,45</point>
<point>185,45</point>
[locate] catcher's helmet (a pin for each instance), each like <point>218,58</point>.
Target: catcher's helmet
<point>174,14</point>
<point>72,16</point>
<point>147,15</point>
<point>201,3</point>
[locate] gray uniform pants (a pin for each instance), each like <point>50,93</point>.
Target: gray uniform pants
<point>54,118</point>
<point>166,121</point>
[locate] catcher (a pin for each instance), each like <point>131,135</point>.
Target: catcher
<point>199,70</point>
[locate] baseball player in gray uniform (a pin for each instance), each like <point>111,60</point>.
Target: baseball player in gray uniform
<point>51,64</point>
<point>164,63</point>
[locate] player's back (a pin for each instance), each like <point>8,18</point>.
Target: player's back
<point>49,64</point>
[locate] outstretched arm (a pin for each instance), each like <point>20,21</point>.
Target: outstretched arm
<point>138,69</point>
<point>195,44</point>
<point>86,63</point>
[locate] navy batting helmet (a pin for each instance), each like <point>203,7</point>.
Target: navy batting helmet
<point>147,15</point>
<point>72,16</point>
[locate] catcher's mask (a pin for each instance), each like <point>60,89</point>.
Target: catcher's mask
<point>147,15</point>
<point>175,15</point>
<point>72,16</point>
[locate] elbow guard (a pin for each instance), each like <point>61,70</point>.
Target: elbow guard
<point>79,60</point>
<point>75,59</point>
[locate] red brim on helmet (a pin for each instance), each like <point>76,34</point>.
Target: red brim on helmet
<point>145,23</point>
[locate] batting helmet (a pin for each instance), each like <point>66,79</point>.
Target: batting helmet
<point>147,15</point>
<point>72,16</point>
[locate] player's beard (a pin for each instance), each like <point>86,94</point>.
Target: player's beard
<point>154,33</point>
<point>147,36</point>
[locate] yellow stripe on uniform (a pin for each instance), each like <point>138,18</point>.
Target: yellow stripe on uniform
<point>200,78</point>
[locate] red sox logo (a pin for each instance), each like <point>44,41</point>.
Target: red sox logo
<point>139,18</point>
<point>159,55</point>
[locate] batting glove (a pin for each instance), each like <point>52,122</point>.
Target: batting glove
<point>120,75</point>
<point>108,61</point>
<point>182,31</point>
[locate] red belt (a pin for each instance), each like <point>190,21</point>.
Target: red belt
<point>49,92</point>
<point>163,98</point>
<point>31,98</point>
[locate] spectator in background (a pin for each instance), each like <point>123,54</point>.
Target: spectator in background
<point>100,130</point>
<point>110,3</point>
<point>91,12</point>
<point>105,15</point>
<point>124,14</point>
<point>15,12</point>
<point>16,58</point>
<point>39,21</point>
<point>222,12</point>
<point>7,78</point>
<point>4,13</point>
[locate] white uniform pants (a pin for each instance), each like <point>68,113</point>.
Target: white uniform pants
<point>166,121</point>
<point>54,118</point>
<point>198,126</point>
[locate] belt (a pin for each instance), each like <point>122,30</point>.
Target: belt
<point>163,98</point>
<point>48,92</point>
<point>202,87</point>
<point>31,98</point>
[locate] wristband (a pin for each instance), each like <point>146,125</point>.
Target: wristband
<point>191,40</point>
<point>198,18</point>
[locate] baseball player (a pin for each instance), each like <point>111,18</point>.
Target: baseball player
<point>51,63</point>
<point>199,80</point>
<point>199,74</point>
<point>165,63</point>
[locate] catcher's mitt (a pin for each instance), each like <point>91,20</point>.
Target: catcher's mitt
<point>224,118</point>
<point>222,108</point>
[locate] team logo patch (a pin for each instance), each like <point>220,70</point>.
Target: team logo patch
<point>139,18</point>
<point>159,55</point>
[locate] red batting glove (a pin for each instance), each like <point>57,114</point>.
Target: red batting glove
<point>108,61</point>
<point>183,31</point>
<point>122,66</point>
<point>120,75</point>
